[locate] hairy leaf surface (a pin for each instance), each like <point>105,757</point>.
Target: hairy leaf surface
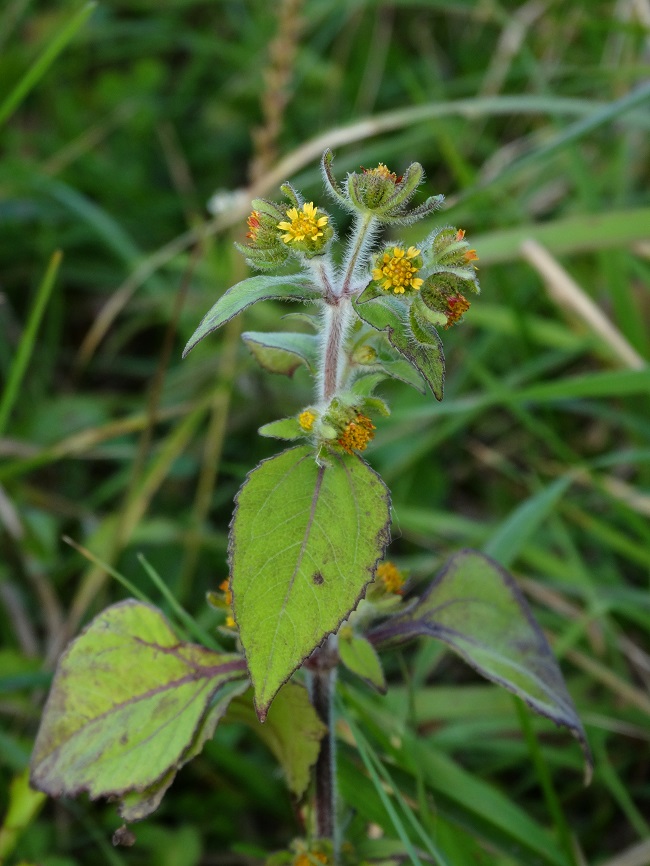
<point>242,295</point>
<point>283,352</point>
<point>423,350</point>
<point>476,608</point>
<point>126,708</point>
<point>304,543</point>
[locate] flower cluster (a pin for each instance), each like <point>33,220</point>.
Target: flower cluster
<point>390,578</point>
<point>356,434</point>
<point>275,231</point>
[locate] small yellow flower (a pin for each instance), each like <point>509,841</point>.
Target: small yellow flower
<point>396,270</point>
<point>357,434</point>
<point>224,586</point>
<point>391,577</point>
<point>303,225</point>
<point>306,419</point>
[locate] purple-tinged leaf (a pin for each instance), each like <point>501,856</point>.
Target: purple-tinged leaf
<point>477,609</point>
<point>129,705</point>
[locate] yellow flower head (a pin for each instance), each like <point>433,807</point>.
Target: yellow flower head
<point>391,577</point>
<point>306,419</point>
<point>383,171</point>
<point>396,270</point>
<point>356,434</point>
<point>302,225</point>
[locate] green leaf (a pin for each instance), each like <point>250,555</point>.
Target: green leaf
<point>360,658</point>
<point>404,372</point>
<point>283,353</point>
<point>127,708</point>
<point>367,381</point>
<point>136,805</point>
<point>423,350</point>
<point>292,731</point>
<point>304,543</point>
<point>477,609</point>
<point>242,295</point>
<point>284,428</point>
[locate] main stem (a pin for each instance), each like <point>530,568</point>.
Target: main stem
<point>322,689</point>
<point>337,319</point>
<point>322,680</point>
<point>323,662</point>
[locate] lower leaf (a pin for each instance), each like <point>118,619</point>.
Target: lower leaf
<point>476,608</point>
<point>126,709</point>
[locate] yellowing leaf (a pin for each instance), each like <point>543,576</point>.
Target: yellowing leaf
<point>126,705</point>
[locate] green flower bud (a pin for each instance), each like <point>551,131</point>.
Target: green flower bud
<point>364,355</point>
<point>380,193</point>
<point>264,251</point>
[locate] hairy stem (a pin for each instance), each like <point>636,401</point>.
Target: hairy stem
<point>337,319</point>
<point>355,246</point>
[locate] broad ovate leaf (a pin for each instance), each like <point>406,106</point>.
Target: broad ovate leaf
<point>423,350</point>
<point>242,295</point>
<point>304,542</point>
<point>127,708</point>
<point>292,731</point>
<point>477,609</point>
<point>283,353</point>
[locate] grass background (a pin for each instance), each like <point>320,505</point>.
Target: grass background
<point>118,123</point>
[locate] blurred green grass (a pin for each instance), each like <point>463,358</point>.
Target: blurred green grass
<point>119,123</point>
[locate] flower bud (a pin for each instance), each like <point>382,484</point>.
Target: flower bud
<point>448,247</point>
<point>264,250</point>
<point>449,263</point>
<point>364,355</point>
<point>379,192</point>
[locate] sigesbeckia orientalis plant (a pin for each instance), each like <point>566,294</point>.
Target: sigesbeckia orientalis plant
<point>309,585</point>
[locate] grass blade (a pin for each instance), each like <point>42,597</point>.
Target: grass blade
<point>42,63</point>
<point>28,340</point>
